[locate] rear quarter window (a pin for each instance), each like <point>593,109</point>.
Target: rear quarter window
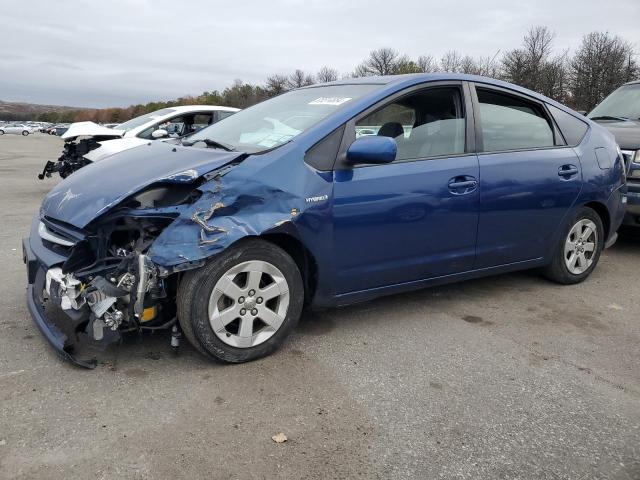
<point>573,129</point>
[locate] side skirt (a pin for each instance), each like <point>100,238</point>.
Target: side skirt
<point>364,295</point>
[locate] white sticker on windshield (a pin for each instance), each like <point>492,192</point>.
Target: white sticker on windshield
<point>330,101</point>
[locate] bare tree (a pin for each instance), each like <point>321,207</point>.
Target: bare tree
<point>533,67</point>
<point>361,70</point>
<point>602,63</point>
<point>327,74</point>
<point>276,84</point>
<point>404,64</point>
<point>469,65</point>
<point>515,66</point>
<point>451,62</point>
<point>538,45</point>
<point>554,78</point>
<point>299,79</point>
<point>380,62</point>
<point>427,64</point>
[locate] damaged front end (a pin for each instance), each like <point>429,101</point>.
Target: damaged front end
<point>72,157</point>
<point>105,286</point>
<point>111,242</point>
<point>91,277</point>
<point>80,139</point>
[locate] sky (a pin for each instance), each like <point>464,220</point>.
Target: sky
<point>120,52</point>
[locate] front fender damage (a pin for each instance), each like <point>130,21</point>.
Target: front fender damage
<point>227,211</point>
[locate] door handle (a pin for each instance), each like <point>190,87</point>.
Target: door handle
<point>568,171</point>
<point>462,185</point>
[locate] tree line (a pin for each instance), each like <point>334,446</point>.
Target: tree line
<point>581,79</point>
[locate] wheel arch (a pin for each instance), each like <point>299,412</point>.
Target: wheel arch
<point>304,259</point>
<point>603,213</point>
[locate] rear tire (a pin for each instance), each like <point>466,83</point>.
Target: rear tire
<point>1,132</point>
<point>578,250</point>
<point>25,133</point>
<point>243,303</point>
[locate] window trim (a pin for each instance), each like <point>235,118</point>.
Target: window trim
<point>557,135</point>
<point>349,135</point>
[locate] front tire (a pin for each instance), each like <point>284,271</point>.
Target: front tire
<point>25,133</point>
<point>578,250</point>
<point>1,132</point>
<point>242,304</point>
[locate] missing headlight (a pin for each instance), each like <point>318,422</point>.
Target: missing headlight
<point>165,196</point>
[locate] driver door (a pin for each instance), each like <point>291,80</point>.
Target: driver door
<point>415,218</point>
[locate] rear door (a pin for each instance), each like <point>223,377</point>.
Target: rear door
<point>529,178</point>
<point>417,217</point>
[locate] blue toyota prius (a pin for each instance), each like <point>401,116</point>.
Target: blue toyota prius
<point>323,196</point>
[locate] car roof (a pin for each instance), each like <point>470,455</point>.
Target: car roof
<point>407,80</point>
<point>635,82</point>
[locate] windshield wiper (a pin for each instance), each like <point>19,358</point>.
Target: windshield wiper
<point>609,117</point>
<point>211,143</point>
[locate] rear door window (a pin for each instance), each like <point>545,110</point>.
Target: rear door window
<point>512,123</point>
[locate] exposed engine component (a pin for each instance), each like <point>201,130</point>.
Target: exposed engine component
<point>72,157</point>
<point>99,302</point>
<point>113,318</point>
<point>145,275</point>
<point>116,297</point>
<point>126,281</point>
<point>66,289</point>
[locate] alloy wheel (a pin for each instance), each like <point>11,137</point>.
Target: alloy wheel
<point>248,304</point>
<point>580,246</point>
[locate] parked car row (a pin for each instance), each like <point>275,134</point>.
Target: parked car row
<point>324,196</point>
<point>42,127</point>
<point>26,129</point>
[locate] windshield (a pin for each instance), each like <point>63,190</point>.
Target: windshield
<point>276,121</point>
<point>142,119</point>
<point>624,102</point>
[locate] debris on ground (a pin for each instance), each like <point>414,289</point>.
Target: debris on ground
<point>279,438</point>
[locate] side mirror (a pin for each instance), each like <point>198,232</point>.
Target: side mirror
<point>372,149</point>
<point>160,133</point>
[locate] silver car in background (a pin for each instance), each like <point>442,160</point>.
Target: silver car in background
<point>15,128</point>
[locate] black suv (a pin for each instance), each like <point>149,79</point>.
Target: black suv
<point>620,114</point>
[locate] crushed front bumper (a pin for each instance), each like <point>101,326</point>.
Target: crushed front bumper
<point>38,259</point>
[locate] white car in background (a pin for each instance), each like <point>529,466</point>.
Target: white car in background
<point>15,129</point>
<point>87,142</point>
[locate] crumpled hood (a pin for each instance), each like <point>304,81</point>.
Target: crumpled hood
<point>98,187</point>
<point>627,133</point>
<point>90,129</point>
